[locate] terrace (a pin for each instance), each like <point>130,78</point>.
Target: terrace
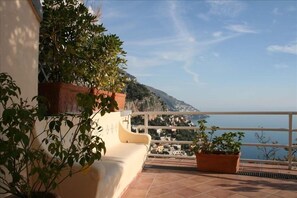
<point>170,176</point>
<point>177,176</point>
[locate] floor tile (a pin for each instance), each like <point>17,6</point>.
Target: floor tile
<point>171,178</point>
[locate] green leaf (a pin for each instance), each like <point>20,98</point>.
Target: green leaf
<point>25,140</point>
<point>70,161</point>
<point>69,123</point>
<point>82,161</point>
<point>52,148</point>
<point>58,126</point>
<point>52,125</point>
<point>8,115</point>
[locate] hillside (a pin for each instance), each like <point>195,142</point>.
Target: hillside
<point>172,103</point>
<point>140,98</point>
<point>145,98</point>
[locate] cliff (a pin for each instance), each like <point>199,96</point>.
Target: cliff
<point>144,98</point>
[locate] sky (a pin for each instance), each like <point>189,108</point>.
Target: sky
<point>214,55</point>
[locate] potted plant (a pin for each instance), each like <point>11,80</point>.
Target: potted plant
<point>36,149</point>
<point>108,76</point>
<point>75,51</point>
<point>217,153</point>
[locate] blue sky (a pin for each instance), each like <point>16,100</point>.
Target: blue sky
<point>214,55</point>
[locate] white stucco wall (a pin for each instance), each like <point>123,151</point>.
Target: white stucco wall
<point>19,37</point>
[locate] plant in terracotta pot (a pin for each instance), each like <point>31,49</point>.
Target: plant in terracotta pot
<point>217,153</point>
<point>107,75</point>
<point>74,51</point>
<point>36,149</point>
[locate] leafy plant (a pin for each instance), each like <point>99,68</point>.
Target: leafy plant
<point>106,69</point>
<point>208,142</point>
<point>75,49</point>
<point>64,31</point>
<point>32,160</point>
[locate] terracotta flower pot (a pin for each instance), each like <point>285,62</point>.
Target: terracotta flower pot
<point>120,98</point>
<point>221,163</point>
<point>61,96</point>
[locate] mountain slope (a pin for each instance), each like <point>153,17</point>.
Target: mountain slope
<point>172,103</point>
<point>140,98</point>
<point>145,98</point>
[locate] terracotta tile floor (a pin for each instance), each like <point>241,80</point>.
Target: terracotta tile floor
<point>174,178</point>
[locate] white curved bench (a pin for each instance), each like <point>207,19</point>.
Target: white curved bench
<point>125,155</point>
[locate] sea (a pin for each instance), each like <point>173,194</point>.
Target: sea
<point>257,121</point>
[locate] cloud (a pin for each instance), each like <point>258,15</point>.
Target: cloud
<point>93,6</point>
<point>225,8</point>
<point>182,48</point>
<point>216,40</point>
<point>217,34</point>
<point>289,49</point>
<point>111,12</point>
<point>194,75</point>
<point>144,62</point>
<point>179,25</point>
<point>216,54</point>
<point>142,74</point>
<point>241,28</point>
<point>204,17</point>
<point>276,11</point>
<point>161,41</point>
<point>188,52</point>
<point>91,11</point>
<point>280,66</point>
<point>292,8</point>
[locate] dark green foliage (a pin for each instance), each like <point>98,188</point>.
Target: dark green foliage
<point>137,120</point>
<point>185,135</point>
<point>208,142</point>
<point>64,31</point>
<point>75,49</point>
<point>25,152</point>
<point>136,91</point>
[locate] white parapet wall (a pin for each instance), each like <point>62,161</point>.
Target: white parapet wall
<point>19,43</point>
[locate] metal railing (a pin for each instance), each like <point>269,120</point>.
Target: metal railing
<point>289,129</point>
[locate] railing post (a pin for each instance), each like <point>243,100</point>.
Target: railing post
<point>290,140</point>
<point>146,116</point>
